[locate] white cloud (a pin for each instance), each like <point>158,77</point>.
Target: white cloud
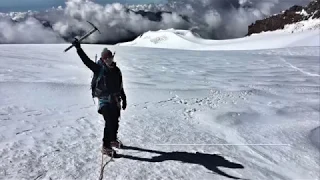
<point>213,19</point>
<point>29,31</point>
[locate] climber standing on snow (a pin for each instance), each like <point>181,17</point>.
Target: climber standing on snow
<point>107,86</point>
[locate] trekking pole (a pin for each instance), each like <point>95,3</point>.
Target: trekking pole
<point>95,60</point>
<point>94,102</point>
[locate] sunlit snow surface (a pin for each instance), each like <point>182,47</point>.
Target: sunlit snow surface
<point>253,114</point>
<point>304,33</point>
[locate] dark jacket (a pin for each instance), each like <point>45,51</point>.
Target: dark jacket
<point>112,77</point>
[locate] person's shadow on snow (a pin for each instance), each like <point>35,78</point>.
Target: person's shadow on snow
<point>210,161</point>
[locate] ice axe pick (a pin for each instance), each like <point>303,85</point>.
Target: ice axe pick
<point>86,35</point>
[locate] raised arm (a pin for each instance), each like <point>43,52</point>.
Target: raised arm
<point>85,59</point>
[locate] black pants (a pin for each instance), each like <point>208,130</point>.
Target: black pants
<point>111,114</point>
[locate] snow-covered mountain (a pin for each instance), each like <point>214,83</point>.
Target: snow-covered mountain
<point>304,33</point>
<point>244,108</point>
<point>292,15</point>
<point>211,19</point>
<point>278,31</point>
<point>249,114</point>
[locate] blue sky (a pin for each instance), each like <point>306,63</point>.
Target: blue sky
<point>24,5</point>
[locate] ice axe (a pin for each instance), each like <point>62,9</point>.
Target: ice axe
<point>85,36</point>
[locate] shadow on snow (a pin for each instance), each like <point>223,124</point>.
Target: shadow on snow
<point>210,161</point>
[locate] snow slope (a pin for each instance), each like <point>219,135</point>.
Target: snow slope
<point>191,114</point>
<point>304,33</point>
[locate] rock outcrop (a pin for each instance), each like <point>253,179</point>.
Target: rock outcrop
<point>292,15</point>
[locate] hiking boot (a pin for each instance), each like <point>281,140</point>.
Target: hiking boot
<point>117,144</point>
<point>108,151</point>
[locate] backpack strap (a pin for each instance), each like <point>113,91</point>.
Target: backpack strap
<point>100,74</point>
<point>96,78</point>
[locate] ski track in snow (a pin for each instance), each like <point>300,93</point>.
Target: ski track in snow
<point>299,69</point>
<point>302,71</point>
<point>176,99</point>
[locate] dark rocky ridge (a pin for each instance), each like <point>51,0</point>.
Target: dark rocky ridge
<point>292,15</point>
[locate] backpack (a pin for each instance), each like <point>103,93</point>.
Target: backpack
<point>97,85</point>
<point>100,85</point>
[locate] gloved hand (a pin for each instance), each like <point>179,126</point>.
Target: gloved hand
<point>124,104</point>
<point>76,43</point>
